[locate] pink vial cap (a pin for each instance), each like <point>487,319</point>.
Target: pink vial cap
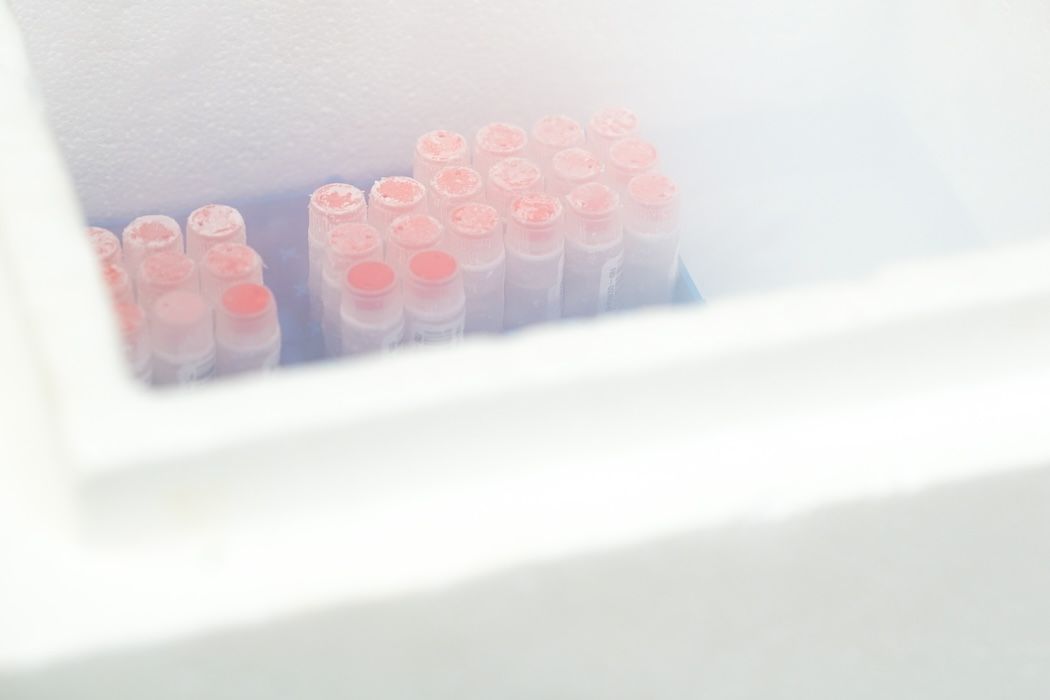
<point>558,132</point>
<point>211,224</point>
<point>397,192</point>
<point>632,156</point>
<point>535,209</point>
<point>231,261</point>
<point>576,165</point>
<point>501,139</point>
<point>652,199</point>
<point>474,220</point>
<point>653,190</point>
<point>247,314</point>
<point>456,181</point>
<point>593,200</point>
<point>153,232</point>
<point>416,231</point>
<point>164,272</point>
<point>441,146</point>
<point>371,277</point>
<point>119,283</point>
<point>338,201</point>
<point>181,324</point>
<point>168,268</point>
<point>514,174</point>
<point>105,244</point>
<point>614,123</point>
<point>227,264</point>
<point>432,267</point>
<point>355,240</point>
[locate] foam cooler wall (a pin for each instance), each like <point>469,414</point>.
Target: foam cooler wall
<point>827,139</point>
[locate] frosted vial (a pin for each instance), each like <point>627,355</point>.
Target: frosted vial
<point>106,246</point>
<point>475,238</point>
<point>593,250</point>
<point>228,264</point>
<point>348,245</point>
<point>627,158</point>
<point>134,335</point>
<point>452,186</point>
<point>535,245</point>
<point>435,308</point>
<point>409,235</point>
<point>163,273</point>
<point>147,235</point>
<point>496,141</point>
<point>118,282</point>
<point>247,334</point>
<point>651,238</point>
<point>330,205</point>
<point>213,224</point>
<point>182,338</point>
<point>372,311</point>
<point>392,197</point>
<point>609,125</point>
<point>571,168</point>
<point>510,177</point>
<point>436,150</point>
<point>552,134</point>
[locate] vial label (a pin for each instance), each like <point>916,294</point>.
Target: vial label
<point>610,281</point>
<point>424,333</point>
<point>232,361</point>
<point>166,371</point>
<point>554,300</point>
<point>392,339</point>
<point>273,359</point>
<point>195,372</point>
<point>364,339</point>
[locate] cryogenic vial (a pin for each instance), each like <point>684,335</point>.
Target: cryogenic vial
<point>651,235</point>
<point>228,264</point>
<point>183,339</point>
<point>535,257</point>
<point>134,335</point>
<point>247,335</point>
<point>475,238</point>
<point>372,312</point>
<point>452,186</point>
<point>330,205</point>
<point>213,224</point>
<point>436,150</point>
<point>510,177</point>
<point>118,281</point>
<point>435,308</point>
<point>106,245</point>
<point>571,168</point>
<point>552,134</point>
<point>593,250</point>
<point>147,235</point>
<point>409,235</point>
<point>392,197</point>
<point>629,157</point>
<point>497,141</point>
<point>609,125</point>
<point>163,273</point>
<point>348,245</point>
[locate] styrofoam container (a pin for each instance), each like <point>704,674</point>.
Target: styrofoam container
<point>801,488</point>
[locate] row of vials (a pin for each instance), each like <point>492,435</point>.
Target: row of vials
<point>189,309</point>
<point>514,231</point>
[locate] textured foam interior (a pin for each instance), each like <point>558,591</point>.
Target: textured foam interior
<point>815,141</point>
